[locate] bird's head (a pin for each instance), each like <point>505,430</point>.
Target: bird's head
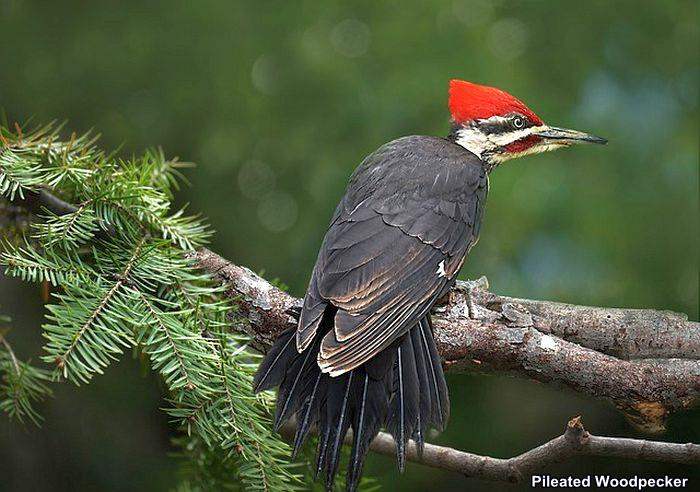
<point>497,127</point>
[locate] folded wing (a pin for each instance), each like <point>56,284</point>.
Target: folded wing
<point>384,262</point>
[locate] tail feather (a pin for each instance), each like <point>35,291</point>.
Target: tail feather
<point>424,390</point>
<point>274,366</point>
<point>405,413</point>
<point>402,389</point>
<point>338,434</point>
<point>288,395</point>
<point>358,425</point>
<point>306,416</point>
<point>332,425</point>
<point>397,421</point>
<point>438,387</point>
<point>324,435</point>
<point>372,399</point>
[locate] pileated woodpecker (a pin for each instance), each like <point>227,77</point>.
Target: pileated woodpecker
<point>362,355</point>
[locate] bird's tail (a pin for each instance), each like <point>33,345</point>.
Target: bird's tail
<point>402,389</point>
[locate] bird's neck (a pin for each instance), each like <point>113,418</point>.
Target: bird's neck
<point>474,141</point>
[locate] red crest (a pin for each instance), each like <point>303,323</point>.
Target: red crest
<point>470,101</point>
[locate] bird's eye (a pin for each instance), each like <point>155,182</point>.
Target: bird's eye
<point>518,122</point>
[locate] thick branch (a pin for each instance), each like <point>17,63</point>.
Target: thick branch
<point>623,333</point>
<point>501,335</point>
<point>579,347</point>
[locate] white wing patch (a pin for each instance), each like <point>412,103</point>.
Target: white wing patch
<point>441,269</point>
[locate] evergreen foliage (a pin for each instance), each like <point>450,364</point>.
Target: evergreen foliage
<point>21,384</point>
<point>121,280</point>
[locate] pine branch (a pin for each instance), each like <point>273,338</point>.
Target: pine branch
<point>162,343</point>
<point>28,264</point>
<point>21,384</point>
<point>122,280</point>
<point>89,331</point>
<point>70,230</point>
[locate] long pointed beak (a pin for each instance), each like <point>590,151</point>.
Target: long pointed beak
<point>564,136</point>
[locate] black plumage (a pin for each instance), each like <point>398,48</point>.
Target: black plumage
<point>363,354</point>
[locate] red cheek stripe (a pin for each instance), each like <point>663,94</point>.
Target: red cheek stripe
<point>523,144</point>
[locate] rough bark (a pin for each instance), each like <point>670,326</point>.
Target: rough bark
<point>575,441</point>
<point>623,333</point>
<point>644,361</point>
<point>550,342</point>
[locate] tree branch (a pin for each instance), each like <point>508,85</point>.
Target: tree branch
<point>575,441</point>
<point>623,333</point>
<point>644,361</point>
<point>480,331</point>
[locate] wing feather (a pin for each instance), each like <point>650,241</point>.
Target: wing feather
<point>395,243</point>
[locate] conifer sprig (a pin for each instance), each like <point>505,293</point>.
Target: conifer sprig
<point>21,384</point>
<point>121,280</point>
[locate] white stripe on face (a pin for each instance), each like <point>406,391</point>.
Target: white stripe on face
<point>480,143</point>
<point>504,139</point>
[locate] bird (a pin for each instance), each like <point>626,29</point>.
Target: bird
<point>362,355</point>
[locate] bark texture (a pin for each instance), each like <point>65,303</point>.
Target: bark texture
<point>575,441</point>
<point>645,362</point>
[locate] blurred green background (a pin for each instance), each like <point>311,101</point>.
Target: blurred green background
<point>277,102</point>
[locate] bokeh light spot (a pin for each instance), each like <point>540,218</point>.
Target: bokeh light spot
<point>264,75</point>
<point>255,178</point>
<point>351,38</point>
<point>473,12</point>
<point>278,211</point>
<point>507,38</point>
